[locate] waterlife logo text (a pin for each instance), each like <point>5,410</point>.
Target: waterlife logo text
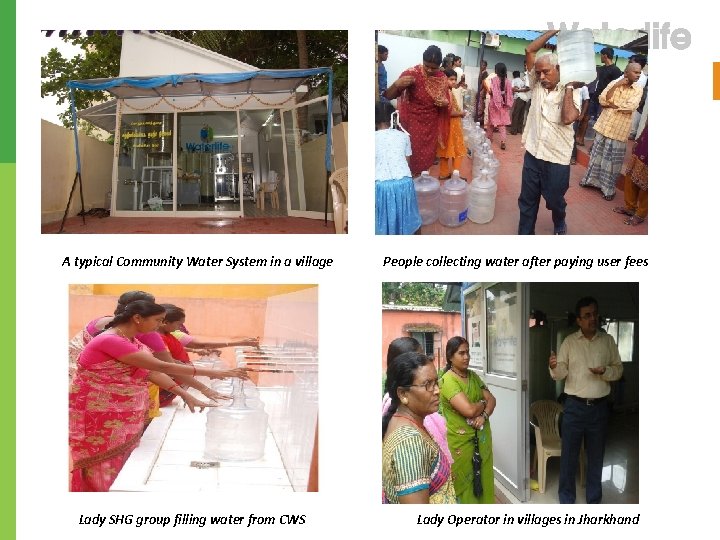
<point>659,34</point>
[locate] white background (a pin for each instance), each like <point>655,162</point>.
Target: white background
<point>678,294</point>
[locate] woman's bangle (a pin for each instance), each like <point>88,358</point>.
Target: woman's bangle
<point>173,386</point>
<point>486,415</point>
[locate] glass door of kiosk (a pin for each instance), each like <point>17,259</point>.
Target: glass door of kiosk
<point>304,153</point>
<point>226,176</point>
<point>496,326</point>
<point>208,168</point>
<point>145,163</point>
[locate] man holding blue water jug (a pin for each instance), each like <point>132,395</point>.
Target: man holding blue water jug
<point>548,138</point>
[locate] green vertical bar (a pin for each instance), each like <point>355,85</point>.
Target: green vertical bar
<point>7,271</point>
<point>7,93</point>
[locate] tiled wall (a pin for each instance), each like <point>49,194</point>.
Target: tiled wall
<point>291,324</point>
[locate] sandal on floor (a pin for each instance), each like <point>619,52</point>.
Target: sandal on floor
<point>634,220</point>
<point>623,210</point>
<point>502,146</point>
<point>609,197</point>
<point>573,161</point>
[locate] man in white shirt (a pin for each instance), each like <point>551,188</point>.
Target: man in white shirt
<point>548,138</point>
<point>589,360</point>
<point>585,98</point>
<point>521,93</point>
<point>457,66</point>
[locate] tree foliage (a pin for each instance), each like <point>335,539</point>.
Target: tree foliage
<point>100,59</point>
<point>265,49</point>
<point>413,294</point>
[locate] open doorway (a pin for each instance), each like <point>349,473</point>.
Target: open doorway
<point>513,328</point>
<point>551,320</point>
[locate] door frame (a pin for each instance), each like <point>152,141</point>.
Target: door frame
<point>302,213</point>
<point>174,211</point>
<point>513,388</point>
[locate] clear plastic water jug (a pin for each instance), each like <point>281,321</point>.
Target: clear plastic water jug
<point>479,136</point>
<point>236,432</point>
<point>251,393</point>
<point>576,56</point>
<point>467,127</point>
<point>474,134</point>
<point>492,164</point>
<point>454,201</point>
<point>469,102</point>
<point>482,198</point>
<point>211,361</point>
<point>427,191</point>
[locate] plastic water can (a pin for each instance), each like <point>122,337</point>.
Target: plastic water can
<point>492,165</point>
<point>454,201</point>
<point>236,432</point>
<point>427,191</point>
<point>576,56</point>
<point>482,198</point>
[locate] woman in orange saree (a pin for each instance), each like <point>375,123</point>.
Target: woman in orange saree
<point>453,150</point>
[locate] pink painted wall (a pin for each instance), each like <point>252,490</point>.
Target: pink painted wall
<point>393,322</point>
<point>210,319</point>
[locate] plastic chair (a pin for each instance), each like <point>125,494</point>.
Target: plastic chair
<point>269,187</point>
<point>546,414</point>
<point>339,191</point>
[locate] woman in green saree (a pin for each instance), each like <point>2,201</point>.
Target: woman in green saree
<point>467,404</point>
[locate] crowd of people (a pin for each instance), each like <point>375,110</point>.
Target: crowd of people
<point>429,114</point>
<point>437,441</point>
<point>551,118</point>
<point>123,368</point>
<point>436,431</point>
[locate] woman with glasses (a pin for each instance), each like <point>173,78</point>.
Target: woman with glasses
<point>434,423</point>
<point>467,405</point>
<point>415,470</point>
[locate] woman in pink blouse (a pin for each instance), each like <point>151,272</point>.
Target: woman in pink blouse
<point>109,395</point>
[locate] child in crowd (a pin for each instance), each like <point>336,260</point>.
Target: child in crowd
<point>453,147</point>
<point>396,207</point>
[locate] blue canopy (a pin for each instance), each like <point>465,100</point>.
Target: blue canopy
<point>531,35</point>
<point>205,84</point>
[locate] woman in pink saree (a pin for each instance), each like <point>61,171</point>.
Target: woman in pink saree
<point>94,327</point>
<point>109,395</point>
<point>423,98</point>
<point>501,103</point>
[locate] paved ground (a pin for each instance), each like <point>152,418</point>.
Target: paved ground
<point>587,211</point>
<point>175,225</point>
